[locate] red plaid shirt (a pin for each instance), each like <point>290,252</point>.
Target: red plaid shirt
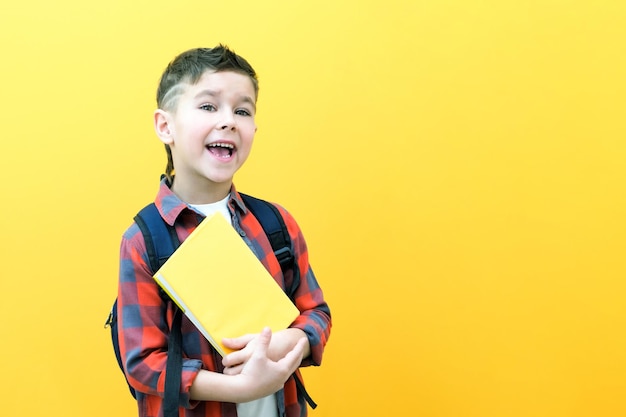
<point>145,319</point>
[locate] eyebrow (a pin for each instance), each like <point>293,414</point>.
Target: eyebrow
<point>213,93</point>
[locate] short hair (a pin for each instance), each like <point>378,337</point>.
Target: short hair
<point>188,68</point>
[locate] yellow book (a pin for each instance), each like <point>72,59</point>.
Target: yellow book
<point>222,287</point>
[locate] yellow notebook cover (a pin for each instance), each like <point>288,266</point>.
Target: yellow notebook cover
<point>222,287</point>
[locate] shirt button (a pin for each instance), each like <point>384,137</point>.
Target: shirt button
<point>242,233</point>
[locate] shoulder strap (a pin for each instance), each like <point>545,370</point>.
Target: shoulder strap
<point>173,367</point>
<point>274,227</point>
<point>161,242</point>
<point>161,239</point>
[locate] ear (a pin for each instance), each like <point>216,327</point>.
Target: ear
<point>164,126</point>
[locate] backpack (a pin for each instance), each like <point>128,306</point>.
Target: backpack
<point>161,241</point>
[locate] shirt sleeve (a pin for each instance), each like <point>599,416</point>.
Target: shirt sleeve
<point>315,319</point>
<point>144,320</point>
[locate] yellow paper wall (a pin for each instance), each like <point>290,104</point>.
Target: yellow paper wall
<point>457,167</point>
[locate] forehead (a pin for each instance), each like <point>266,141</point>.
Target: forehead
<point>223,84</point>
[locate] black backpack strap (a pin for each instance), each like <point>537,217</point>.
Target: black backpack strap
<point>112,324</point>
<point>174,367</point>
<point>161,239</point>
<point>274,227</point>
<point>302,390</point>
<point>276,231</point>
<point>161,242</point>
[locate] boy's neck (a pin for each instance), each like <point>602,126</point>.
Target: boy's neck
<point>209,193</point>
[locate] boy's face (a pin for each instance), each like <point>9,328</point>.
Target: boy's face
<point>210,133</point>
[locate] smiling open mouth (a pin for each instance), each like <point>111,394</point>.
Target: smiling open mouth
<point>221,150</point>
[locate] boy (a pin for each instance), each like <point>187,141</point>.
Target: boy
<point>206,107</point>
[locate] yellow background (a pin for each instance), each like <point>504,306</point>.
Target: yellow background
<point>457,167</point>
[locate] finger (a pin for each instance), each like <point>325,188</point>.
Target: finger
<point>263,344</point>
<point>237,343</point>
<point>233,370</point>
<point>233,359</point>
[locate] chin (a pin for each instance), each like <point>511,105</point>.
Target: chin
<point>219,179</point>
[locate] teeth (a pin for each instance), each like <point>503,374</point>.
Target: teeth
<point>221,145</point>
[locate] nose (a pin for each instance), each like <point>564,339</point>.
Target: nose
<point>227,122</point>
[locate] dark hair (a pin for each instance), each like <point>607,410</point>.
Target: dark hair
<point>187,68</point>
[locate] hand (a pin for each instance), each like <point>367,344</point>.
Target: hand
<point>260,375</point>
<point>254,372</point>
<point>282,342</point>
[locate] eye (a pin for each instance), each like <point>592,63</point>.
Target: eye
<point>207,107</point>
<point>243,112</point>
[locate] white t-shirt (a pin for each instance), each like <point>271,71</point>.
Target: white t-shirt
<point>212,208</point>
<point>263,407</point>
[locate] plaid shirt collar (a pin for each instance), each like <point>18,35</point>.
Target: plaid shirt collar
<point>171,206</point>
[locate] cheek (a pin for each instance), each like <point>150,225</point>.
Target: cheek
<point>246,145</point>
<point>247,133</point>
<point>192,134</point>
